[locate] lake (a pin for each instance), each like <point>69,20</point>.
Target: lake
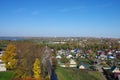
<point>13,38</point>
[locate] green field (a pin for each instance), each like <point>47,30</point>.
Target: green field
<point>75,74</point>
<point>8,75</point>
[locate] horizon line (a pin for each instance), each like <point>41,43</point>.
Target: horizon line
<point>60,37</point>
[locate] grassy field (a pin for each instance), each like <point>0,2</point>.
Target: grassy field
<point>75,74</point>
<point>6,75</point>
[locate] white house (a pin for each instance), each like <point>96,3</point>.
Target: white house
<point>73,63</point>
<point>110,53</point>
<point>1,53</point>
<point>62,65</point>
<point>58,57</point>
<point>61,52</point>
<point>2,66</point>
<point>69,56</point>
<point>72,51</point>
<point>103,57</point>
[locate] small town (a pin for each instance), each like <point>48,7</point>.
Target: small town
<point>77,58</point>
<point>59,39</point>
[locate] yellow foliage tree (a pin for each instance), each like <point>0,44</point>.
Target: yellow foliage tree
<point>8,56</point>
<point>36,69</point>
<point>47,77</point>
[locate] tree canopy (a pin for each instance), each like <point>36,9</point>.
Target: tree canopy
<point>9,56</point>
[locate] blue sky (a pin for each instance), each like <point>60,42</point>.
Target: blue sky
<point>81,18</point>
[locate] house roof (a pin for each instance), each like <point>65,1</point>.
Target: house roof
<point>76,50</point>
<point>113,67</point>
<point>84,64</point>
<point>58,57</point>
<point>111,57</point>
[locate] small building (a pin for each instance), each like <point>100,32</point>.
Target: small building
<point>111,57</point>
<point>62,65</point>
<point>2,66</point>
<point>1,53</point>
<point>110,53</point>
<point>58,57</point>
<point>103,57</point>
<point>83,66</point>
<point>61,52</point>
<point>72,51</point>
<point>115,71</point>
<point>69,56</point>
<point>73,63</point>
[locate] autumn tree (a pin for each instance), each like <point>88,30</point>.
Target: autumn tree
<point>64,59</point>
<point>26,53</point>
<point>36,69</point>
<point>9,55</point>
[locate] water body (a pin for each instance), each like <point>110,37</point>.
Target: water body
<point>12,38</point>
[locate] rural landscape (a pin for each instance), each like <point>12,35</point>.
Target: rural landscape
<point>59,39</point>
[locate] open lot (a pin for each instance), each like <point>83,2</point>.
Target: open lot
<point>75,74</point>
<point>6,75</point>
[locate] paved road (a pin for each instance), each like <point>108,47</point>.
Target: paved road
<point>53,75</point>
<point>51,71</point>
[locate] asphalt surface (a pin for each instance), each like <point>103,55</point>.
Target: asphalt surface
<point>53,75</point>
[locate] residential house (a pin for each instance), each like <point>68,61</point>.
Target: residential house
<point>69,56</point>
<point>73,63</point>
<point>2,66</point>
<point>111,72</point>
<point>115,71</point>
<point>61,52</point>
<point>62,65</point>
<point>58,57</point>
<point>83,66</point>
<point>1,53</point>
<point>82,55</point>
<point>111,57</point>
<point>110,52</point>
<point>103,57</point>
